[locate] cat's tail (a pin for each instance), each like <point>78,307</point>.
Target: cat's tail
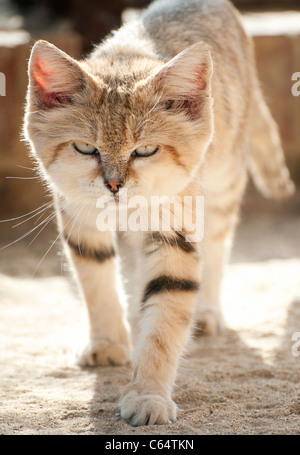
<point>266,161</point>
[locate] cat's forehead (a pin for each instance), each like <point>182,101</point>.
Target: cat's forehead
<point>123,72</point>
<point>120,115</point>
<point>117,103</point>
<point>114,112</point>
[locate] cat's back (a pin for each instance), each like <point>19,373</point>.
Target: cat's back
<point>172,25</point>
<point>167,27</point>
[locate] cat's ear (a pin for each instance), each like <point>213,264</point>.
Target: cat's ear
<point>186,79</point>
<point>54,76</point>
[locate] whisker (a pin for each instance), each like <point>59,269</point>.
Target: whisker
<point>26,214</point>
<point>21,178</point>
<point>40,216</point>
<point>84,207</point>
<point>45,222</point>
<point>35,214</point>
<point>75,217</point>
<point>53,243</point>
<point>22,236</point>
<point>79,227</point>
<point>50,247</point>
<point>25,167</point>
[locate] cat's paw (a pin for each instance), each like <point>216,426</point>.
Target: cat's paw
<point>209,322</point>
<point>103,352</point>
<point>146,409</point>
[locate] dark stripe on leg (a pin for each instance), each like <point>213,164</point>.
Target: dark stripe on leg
<point>89,253</point>
<point>183,243</point>
<point>167,283</point>
<point>180,241</point>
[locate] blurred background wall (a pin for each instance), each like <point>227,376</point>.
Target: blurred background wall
<point>75,25</point>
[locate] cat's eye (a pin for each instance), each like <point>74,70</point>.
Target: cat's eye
<point>86,149</point>
<point>146,150</point>
<point>168,104</point>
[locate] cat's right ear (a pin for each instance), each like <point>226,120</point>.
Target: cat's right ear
<point>54,76</point>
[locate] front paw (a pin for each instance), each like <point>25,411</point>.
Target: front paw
<point>146,408</point>
<point>104,352</point>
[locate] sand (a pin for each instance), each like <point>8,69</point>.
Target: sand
<point>244,381</point>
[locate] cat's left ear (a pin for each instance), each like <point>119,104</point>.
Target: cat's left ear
<point>187,77</point>
<point>54,76</point>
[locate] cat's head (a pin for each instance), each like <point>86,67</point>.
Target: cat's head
<point>124,120</point>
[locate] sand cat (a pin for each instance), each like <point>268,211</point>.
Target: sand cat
<point>167,106</point>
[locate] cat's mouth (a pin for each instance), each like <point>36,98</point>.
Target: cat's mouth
<point>114,199</point>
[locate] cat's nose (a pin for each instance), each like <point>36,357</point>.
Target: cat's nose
<point>114,185</point>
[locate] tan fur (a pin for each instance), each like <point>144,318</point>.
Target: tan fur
<point>182,78</point>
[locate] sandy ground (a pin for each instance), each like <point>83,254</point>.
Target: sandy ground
<point>245,381</point>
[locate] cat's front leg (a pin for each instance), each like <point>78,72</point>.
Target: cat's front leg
<point>170,289</point>
<point>92,254</point>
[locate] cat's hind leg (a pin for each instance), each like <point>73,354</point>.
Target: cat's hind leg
<point>221,216</point>
<point>208,318</point>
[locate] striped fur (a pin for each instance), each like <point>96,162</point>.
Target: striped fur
<point>168,284</point>
<point>157,239</point>
<point>90,253</point>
